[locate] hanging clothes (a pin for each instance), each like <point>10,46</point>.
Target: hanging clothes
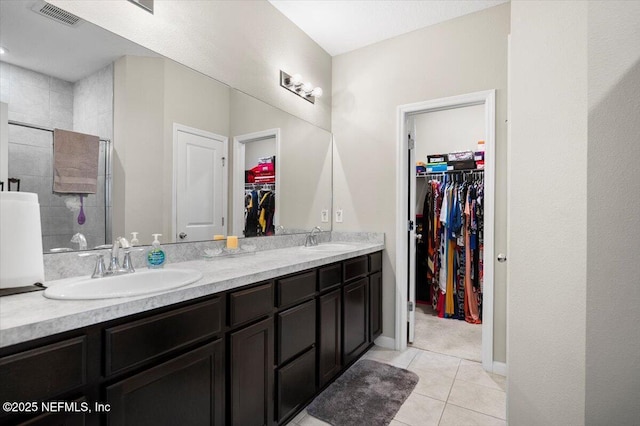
<point>453,217</point>
<point>251,214</point>
<point>267,209</point>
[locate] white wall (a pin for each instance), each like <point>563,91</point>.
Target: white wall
<point>548,214</point>
<point>441,132</point>
<point>613,218</point>
<point>463,55</point>
<point>150,95</point>
<point>243,43</point>
<point>255,150</point>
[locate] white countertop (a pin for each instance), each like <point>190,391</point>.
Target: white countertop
<point>29,316</point>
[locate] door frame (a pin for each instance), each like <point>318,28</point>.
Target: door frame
<point>238,174</point>
<point>487,98</point>
<point>177,127</point>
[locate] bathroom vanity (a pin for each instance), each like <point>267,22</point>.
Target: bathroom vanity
<point>247,344</point>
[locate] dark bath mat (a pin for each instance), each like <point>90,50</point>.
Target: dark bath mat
<point>367,394</point>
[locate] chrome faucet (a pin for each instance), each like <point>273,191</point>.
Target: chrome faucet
<point>311,239</point>
<point>114,268</point>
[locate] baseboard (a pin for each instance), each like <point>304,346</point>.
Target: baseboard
<point>500,368</point>
<point>385,342</point>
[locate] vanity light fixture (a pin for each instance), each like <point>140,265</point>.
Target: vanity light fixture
<point>294,84</point>
<point>3,50</point>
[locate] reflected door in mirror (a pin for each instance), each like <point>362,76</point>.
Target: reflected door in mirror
<point>200,184</point>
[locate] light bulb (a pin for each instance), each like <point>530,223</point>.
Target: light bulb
<point>307,87</point>
<point>3,50</point>
<point>296,79</point>
<point>317,92</point>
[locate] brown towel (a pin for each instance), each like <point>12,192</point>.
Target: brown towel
<point>75,162</point>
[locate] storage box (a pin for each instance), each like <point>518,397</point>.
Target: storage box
<point>437,158</point>
<point>460,156</point>
<point>437,167</point>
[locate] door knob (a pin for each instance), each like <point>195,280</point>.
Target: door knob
<point>182,235</point>
<point>502,257</point>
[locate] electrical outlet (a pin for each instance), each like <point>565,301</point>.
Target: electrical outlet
<point>339,216</point>
<point>324,216</point>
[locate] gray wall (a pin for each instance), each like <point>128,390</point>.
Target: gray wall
<point>242,43</point>
<point>463,55</point>
<point>574,286</point>
<point>548,214</point>
<point>613,218</point>
<point>46,101</point>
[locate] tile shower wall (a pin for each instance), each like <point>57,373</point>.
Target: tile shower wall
<point>50,102</point>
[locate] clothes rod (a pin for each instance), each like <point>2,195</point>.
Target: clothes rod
<point>45,129</point>
<point>448,172</point>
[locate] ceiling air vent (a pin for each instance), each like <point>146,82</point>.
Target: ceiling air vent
<point>55,13</point>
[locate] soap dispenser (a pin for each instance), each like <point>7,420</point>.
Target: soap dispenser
<point>134,239</point>
<point>155,255</point>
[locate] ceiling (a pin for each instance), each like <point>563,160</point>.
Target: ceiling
<point>342,26</point>
<point>41,44</point>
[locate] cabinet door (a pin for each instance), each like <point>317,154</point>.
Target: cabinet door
<point>251,375</point>
<point>355,317</point>
<point>375,306</point>
<point>329,335</point>
<point>296,384</point>
<point>188,390</point>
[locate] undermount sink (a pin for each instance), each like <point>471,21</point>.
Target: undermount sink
<point>329,247</point>
<point>125,285</point>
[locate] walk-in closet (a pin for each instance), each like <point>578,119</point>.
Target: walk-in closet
<point>449,227</point>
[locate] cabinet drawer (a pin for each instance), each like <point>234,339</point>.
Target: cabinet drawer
<point>329,276</point>
<point>296,384</point>
<point>354,268</point>
<point>296,330</point>
<point>45,372</point>
<point>139,342</point>
<point>250,304</point>
<point>375,262</point>
<point>296,288</point>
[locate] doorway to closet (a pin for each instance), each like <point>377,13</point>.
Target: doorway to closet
<point>432,310</point>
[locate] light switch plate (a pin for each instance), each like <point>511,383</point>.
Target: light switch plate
<point>324,216</point>
<point>339,216</point>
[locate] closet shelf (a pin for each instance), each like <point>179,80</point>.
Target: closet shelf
<point>430,174</point>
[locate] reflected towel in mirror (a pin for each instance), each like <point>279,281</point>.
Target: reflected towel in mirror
<point>75,162</point>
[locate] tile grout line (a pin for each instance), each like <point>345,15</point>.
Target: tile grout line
<point>450,389</point>
<point>476,411</point>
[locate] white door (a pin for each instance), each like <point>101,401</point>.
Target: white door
<point>411,234</point>
<point>200,188</point>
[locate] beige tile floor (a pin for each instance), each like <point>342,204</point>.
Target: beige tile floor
<point>451,391</point>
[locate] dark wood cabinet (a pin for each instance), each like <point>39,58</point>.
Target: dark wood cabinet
<point>355,319</point>
<point>140,342</point>
<point>375,306</point>
<point>63,418</point>
<point>44,372</point>
<point>188,390</point>
<point>250,366</point>
<point>250,304</point>
<point>296,384</point>
<point>329,336</point>
<point>249,356</point>
<point>296,330</point>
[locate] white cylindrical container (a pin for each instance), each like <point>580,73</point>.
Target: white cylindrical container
<point>21,259</point>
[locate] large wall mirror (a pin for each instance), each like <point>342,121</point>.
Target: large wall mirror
<point>180,153</point>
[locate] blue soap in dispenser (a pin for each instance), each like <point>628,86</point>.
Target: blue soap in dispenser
<point>155,255</point>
